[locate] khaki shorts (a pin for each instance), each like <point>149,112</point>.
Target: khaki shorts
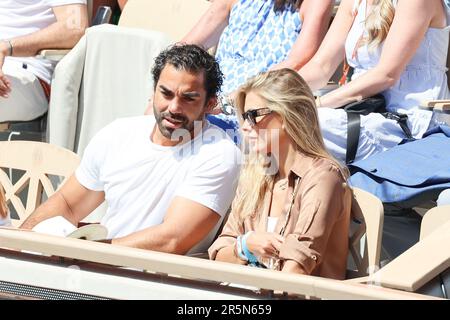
<point>27,100</point>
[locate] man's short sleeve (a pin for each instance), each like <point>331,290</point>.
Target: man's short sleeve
<point>213,179</point>
<point>89,171</point>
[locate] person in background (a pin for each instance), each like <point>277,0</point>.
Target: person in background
<point>292,208</point>
<point>122,3</point>
<point>397,48</point>
<point>26,27</point>
<point>257,35</point>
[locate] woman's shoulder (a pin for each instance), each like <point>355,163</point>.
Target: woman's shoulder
<point>326,170</point>
<point>324,181</point>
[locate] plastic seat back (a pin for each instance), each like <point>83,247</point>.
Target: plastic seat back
<point>173,17</point>
<point>365,234</point>
<point>41,163</point>
<point>433,219</point>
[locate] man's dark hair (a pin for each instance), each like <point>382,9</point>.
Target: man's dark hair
<point>280,5</point>
<point>191,58</point>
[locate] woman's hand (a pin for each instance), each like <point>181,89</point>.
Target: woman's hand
<point>264,244</point>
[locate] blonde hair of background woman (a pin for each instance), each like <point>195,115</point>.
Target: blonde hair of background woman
<point>379,21</point>
<point>3,207</point>
<point>288,95</point>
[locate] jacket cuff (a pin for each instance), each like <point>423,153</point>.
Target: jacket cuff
<point>298,251</point>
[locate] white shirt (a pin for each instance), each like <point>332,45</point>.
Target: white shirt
<point>22,17</point>
<point>271,223</point>
<point>140,179</point>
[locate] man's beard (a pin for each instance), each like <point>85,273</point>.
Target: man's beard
<point>168,133</point>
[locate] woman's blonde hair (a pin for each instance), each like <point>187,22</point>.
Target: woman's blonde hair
<point>379,21</point>
<point>3,207</point>
<point>287,94</point>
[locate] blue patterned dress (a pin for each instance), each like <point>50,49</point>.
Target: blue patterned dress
<point>256,38</point>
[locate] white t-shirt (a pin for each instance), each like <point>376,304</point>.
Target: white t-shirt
<point>22,17</point>
<point>271,223</point>
<point>140,179</point>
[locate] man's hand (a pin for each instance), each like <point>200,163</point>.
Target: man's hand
<point>5,84</point>
<point>264,244</point>
<point>73,201</point>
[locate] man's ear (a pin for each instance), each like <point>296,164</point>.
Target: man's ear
<point>211,104</point>
<point>149,109</point>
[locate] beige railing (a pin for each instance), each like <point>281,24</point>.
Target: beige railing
<point>195,268</point>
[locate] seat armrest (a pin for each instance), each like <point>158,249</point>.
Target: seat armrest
<point>364,279</point>
<point>53,54</point>
<point>431,104</point>
<point>419,264</point>
<point>443,106</point>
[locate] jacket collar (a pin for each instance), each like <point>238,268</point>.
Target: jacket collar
<point>301,166</point>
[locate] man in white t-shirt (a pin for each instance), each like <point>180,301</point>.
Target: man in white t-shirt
<point>168,179</point>
<point>26,27</point>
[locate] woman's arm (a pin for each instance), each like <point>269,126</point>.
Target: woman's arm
<point>228,254</point>
<point>293,267</point>
<point>315,16</point>
<point>331,52</point>
<point>208,29</point>
<point>412,20</point>
<point>122,3</point>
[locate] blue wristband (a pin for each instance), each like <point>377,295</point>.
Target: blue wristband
<point>250,256</point>
<point>239,252</point>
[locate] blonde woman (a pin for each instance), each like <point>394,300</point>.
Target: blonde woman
<point>294,218</point>
<point>397,48</point>
<point>4,214</point>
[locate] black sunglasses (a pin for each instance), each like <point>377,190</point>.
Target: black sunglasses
<point>251,115</point>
